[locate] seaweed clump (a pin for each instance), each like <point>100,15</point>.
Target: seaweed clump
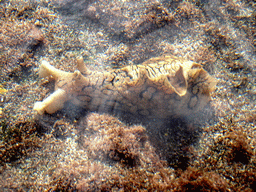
<point>228,154</point>
<point>239,149</point>
<point>193,179</point>
<point>113,140</point>
<point>17,140</point>
<point>21,36</point>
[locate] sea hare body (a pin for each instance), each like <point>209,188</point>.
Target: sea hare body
<point>158,88</point>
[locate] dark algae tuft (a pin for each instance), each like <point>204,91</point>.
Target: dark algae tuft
<point>17,140</point>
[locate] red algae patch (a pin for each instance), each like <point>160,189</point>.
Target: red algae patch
<point>114,140</point>
<point>193,179</point>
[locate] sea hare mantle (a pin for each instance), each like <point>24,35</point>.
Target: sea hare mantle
<point>158,88</point>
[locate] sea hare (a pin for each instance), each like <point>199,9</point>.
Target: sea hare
<point>158,88</point>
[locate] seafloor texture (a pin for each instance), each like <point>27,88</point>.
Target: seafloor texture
<point>78,150</point>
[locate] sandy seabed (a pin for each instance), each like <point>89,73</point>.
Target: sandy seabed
<point>78,150</point>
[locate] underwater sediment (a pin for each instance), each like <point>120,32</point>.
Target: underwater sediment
<point>76,149</point>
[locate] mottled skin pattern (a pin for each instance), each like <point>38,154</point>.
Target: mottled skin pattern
<point>158,88</point>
